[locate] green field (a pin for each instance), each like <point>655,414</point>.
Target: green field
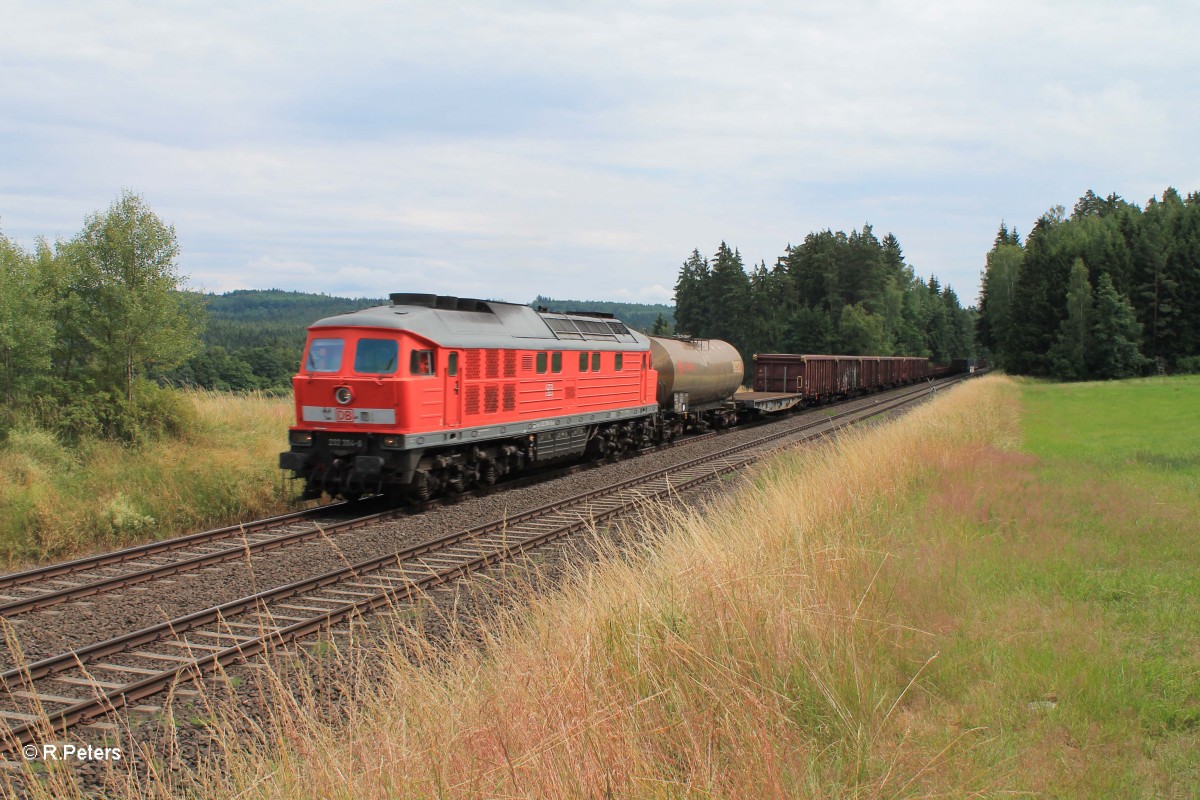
<point>1066,582</point>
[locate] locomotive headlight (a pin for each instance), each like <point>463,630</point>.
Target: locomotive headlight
<point>343,395</point>
<point>303,438</point>
<point>393,442</point>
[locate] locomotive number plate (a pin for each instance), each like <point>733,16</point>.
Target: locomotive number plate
<point>353,416</point>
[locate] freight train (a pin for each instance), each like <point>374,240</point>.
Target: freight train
<point>432,395</point>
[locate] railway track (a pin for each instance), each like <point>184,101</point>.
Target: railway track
<point>53,694</point>
<point>45,587</point>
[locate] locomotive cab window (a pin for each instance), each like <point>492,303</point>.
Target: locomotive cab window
<point>376,356</point>
<point>324,355</point>
<point>620,361</point>
<point>541,363</point>
<point>421,362</point>
<point>556,362</point>
<point>452,365</point>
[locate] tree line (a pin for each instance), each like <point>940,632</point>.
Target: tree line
<point>1108,292</point>
<point>834,293</point>
<point>639,316</point>
<point>86,323</point>
<point>254,337</point>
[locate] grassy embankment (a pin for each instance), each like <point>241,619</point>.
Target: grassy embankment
<point>57,501</point>
<point>998,594</point>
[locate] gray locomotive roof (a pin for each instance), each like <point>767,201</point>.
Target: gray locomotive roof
<point>495,325</point>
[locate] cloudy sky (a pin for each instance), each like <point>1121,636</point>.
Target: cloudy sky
<point>507,149</point>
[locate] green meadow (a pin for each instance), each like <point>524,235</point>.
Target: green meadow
<point>1061,581</point>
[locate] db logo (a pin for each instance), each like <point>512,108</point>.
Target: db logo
<point>343,414</point>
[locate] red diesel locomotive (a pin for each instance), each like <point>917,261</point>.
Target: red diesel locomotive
<point>440,393</point>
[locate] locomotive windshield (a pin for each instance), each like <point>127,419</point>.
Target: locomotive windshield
<point>376,356</point>
<point>324,355</point>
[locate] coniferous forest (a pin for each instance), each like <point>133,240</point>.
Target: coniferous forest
<point>1111,291</point>
<point>834,293</point>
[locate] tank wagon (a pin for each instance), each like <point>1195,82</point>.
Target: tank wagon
<point>434,394</point>
<point>696,379</point>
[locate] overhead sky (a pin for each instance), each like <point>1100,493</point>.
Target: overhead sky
<point>506,149</point>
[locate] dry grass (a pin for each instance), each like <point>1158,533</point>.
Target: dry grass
<point>744,653</point>
<point>57,501</point>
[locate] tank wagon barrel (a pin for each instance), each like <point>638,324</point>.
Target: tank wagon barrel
<point>695,374</point>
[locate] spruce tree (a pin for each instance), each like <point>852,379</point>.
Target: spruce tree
<point>1071,355</point>
<point>728,296</point>
<point>691,300</point>
<point>1116,334</point>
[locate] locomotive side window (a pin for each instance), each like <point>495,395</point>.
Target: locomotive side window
<point>595,362</point>
<point>620,361</point>
<point>541,363</point>
<point>376,356</point>
<point>583,362</point>
<point>422,362</point>
<point>452,365</point>
<point>324,355</point>
<point>556,362</point>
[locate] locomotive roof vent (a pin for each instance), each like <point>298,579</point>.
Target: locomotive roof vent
<point>411,299</point>
<point>441,302</point>
<point>597,314</point>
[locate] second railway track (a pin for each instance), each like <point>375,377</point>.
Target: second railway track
<point>53,694</point>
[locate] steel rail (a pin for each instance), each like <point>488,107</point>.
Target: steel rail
<point>162,546</point>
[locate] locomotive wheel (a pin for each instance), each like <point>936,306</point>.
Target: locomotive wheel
<point>418,490</point>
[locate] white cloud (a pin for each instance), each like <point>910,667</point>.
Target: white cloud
<point>507,149</point>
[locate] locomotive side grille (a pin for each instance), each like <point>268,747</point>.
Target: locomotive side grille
<point>570,391</point>
<point>491,398</point>
<point>527,362</point>
<point>510,363</point>
<point>510,397</point>
<point>472,400</point>
<point>472,365</point>
<point>493,364</point>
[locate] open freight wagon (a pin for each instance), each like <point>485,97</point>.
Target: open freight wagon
<point>820,378</point>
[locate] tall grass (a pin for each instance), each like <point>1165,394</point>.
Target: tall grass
<point>57,500</point>
<point>744,652</point>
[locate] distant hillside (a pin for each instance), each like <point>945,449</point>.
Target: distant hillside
<point>640,316</point>
<point>272,317</point>
<point>254,336</point>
